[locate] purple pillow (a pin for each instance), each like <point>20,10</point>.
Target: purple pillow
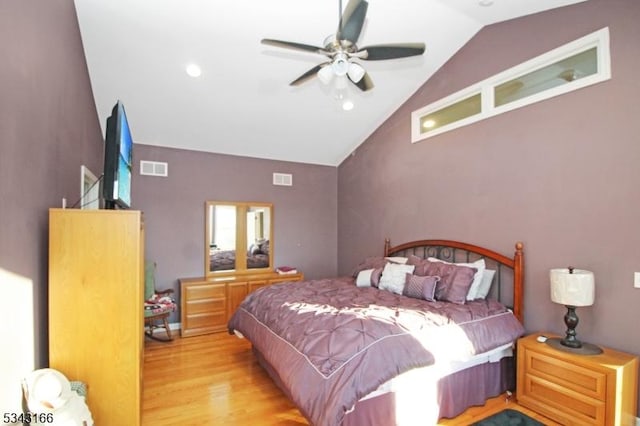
<point>419,263</point>
<point>374,262</point>
<point>454,282</point>
<point>421,287</point>
<point>375,277</point>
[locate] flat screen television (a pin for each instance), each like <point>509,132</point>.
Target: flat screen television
<point>118,160</point>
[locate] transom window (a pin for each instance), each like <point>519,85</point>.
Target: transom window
<point>575,65</point>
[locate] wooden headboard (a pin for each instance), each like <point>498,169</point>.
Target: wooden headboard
<point>508,284</point>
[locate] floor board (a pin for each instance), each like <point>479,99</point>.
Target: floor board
<point>216,380</point>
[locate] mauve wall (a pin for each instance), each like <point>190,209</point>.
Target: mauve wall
<point>48,129</point>
<point>305,213</point>
<point>562,175</point>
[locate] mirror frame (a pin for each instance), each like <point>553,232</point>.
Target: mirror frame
<point>242,209</point>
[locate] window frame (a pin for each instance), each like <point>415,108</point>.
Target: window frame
<point>486,88</point>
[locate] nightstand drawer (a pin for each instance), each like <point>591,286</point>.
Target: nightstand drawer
<point>584,381</point>
<point>545,396</point>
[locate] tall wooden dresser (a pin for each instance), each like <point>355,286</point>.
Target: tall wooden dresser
<point>96,284</point>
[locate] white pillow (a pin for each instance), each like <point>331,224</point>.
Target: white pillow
<point>477,277</point>
<point>394,276</point>
<point>485,284</point>
<point>364,278</point>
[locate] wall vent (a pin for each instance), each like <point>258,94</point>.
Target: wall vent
<point>154,168</point>
<point>283,179</point>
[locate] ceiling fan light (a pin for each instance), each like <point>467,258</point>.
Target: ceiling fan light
<point>356,72</point>
<point>193,70</point>
<point>325,74</point>
<point>347,105</point>
<point>341,83</point>
<point>340,64</point>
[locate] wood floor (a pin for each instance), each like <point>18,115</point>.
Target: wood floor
<point>216,380</point>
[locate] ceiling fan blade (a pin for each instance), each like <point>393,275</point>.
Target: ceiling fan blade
<point>352,20</point>
<point>293,45</point>
<point>365,82</point>
<point>308,75</point>
<point>390,51</point>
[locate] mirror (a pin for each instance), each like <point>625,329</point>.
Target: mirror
<point>222,241</point>
<point>238,237</point>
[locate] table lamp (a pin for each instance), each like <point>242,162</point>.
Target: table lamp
<point>573,287</point>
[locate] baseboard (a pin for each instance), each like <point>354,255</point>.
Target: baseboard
<point>159,333</point>
<point>174,326</point>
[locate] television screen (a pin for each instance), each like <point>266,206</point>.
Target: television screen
<point>118,160</point>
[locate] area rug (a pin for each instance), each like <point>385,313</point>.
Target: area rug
<point>508,418</point>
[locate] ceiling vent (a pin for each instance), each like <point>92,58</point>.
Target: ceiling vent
<point>154,168</point>
<point>283,179</point>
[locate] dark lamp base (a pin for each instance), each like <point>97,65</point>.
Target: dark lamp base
<point>571,342</point>
<point>584,349</point>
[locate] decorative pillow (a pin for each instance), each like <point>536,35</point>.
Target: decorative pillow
<point>254,249</point>
<point>479,265</point>
<point>421,287</point>
<point>420,264</point>
<point>485,285</point>
<point>369,278</point>
<point>454,283</point>
<point>375,262</point>
<point>457,284</point>
<point>394,277</point>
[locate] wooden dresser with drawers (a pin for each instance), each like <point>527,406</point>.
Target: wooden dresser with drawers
<point>207,304</point>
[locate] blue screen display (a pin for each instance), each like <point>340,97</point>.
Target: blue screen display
<point>125,161</point>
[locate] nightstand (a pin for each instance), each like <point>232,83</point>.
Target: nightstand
<point>577,389</point>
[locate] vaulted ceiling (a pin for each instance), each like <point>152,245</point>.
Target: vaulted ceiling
<point>242,104</point>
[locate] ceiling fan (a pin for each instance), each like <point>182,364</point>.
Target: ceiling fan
<point>341,49</point>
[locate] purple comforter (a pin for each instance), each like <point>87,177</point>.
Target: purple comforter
<point>332,343</point>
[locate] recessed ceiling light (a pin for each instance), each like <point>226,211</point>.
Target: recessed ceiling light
<point>347,105</point>
<point>485,2</point>
<point>193,70</point>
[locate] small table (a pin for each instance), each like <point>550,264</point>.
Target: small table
<point>572,388</point>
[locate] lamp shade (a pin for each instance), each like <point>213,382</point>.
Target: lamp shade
<point>572,289</point>
<point>340,64</point>
<point>325,74</point>
<point>356,72</point>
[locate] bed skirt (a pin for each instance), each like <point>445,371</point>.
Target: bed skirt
<point>452,395</point>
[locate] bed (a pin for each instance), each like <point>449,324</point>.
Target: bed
<point>257,257</point>
<point>403,340</point>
